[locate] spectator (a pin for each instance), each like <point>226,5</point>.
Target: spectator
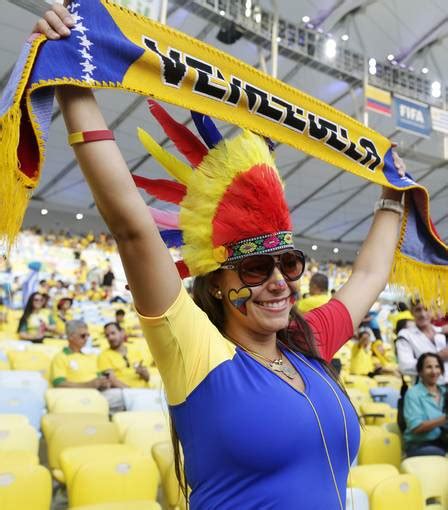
<point>413,341</point>
<point>123,362</point>
<point>62,315</point>
<point>318,294</point>
<point>403,324</point>
<point>35,322</point>
<point>108,278</point>
<point>371,321</point>
<point>95,293</point>
<point>361,361</point>
<point>425,409</point>
<point>402,312</point>
<point>73,369</point>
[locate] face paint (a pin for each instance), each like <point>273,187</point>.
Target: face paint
<point>239,298</point>
<point>294,297</point>
<point>280,282</point>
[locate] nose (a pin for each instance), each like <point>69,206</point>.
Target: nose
<point>277,279</point>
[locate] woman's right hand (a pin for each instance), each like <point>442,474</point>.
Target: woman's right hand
<point>55,23</point>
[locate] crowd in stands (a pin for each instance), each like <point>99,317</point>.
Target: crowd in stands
<point>67,296</point>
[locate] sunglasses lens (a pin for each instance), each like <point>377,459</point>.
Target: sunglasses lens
<point>255,270</point>
<point>292,264</point>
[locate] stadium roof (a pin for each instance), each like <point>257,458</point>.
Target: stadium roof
<point>330,207</point>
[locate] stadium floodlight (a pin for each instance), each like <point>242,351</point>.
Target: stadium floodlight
<point>425,70</point>
<point>330,48</point>
<point>345,37</point>
<point>390,57</point>
<point>314,247</point>
<point>336,250</point>
<point>44,212</point>
<point>372,66</point>
<point>436,89</point>
<point>306,19</point>
<point>79,216</point>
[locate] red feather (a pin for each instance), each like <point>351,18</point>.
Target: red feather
<point>186,142</point>
<point>168,191</point>
<point>182,269</point>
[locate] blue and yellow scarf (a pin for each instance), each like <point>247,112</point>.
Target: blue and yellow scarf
<point>111,47</point>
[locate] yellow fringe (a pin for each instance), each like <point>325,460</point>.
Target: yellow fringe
<point>427,282</point>
<point>14,192</point>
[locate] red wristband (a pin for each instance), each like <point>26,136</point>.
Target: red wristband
<point>90,136</point>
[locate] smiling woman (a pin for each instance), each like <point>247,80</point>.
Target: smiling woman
<point>262,420</point>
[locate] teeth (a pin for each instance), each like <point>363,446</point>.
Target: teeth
<point>273,304</point>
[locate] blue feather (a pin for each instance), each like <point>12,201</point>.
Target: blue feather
<point>172,238</point>
<point>207,129</point>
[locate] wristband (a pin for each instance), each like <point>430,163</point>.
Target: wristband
<point>90,136</point>
<point>386,204</point>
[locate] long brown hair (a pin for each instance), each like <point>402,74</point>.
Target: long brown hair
<point>297,336</point>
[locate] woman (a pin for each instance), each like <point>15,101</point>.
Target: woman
<point>425,409</point>
<point>62,314</point>
<point>262,422</point>
<point>35,322</point>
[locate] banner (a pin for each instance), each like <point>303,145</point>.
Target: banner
<point>378,100</point>
<point>412,116</point>
<point>439,120</point>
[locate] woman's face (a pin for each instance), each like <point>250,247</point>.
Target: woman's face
<point>38,301</point>
<point>430,371</point>
<point>261,310</point>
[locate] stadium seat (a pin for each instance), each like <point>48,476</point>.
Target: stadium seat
<point>386,395</point>
<point>432,472</point>
<point>360,382</point>
<point>22,401</point>
<point>367,477</point>
<point>28,380</point>
<point>76,400</point>
<point>144,399</point>
<point>377,413</point>
<point>51,421</point>
<point>144,436</point>
<point>164,458</point>
<point>4,361</point>
<point>30,360</point>
<point>15,420</point>
<point>130,505</point>
<point>155,420</point>
<point>25,487</point>
<point>401,492</point>
<point>390,381</point>
<point>356,500</point>
<point>105,480</point>
<point>16,458</point>
<point>378,446</point>
<point>22,438</point>
<point>78,434</point>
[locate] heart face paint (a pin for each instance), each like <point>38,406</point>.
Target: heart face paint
<point>293,297</point>
<point>239,298</point>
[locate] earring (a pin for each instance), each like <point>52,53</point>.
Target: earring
<point>218,294</point>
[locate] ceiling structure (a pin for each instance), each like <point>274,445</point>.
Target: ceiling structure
<point>330,208</point>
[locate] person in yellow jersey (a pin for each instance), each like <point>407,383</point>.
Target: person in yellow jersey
<point>123,362</point>
<point>318,293</point>
<point>71,368</point>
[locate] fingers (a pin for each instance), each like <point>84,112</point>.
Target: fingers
<point>399,164</point>
<point>55,23</point>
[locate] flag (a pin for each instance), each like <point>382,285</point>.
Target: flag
<point>378,100</point>
<point>439,120</point>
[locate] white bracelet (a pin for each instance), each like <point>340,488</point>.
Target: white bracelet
<point>389,205</point>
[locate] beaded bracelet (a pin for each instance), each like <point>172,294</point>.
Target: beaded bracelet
<point>90,136</point>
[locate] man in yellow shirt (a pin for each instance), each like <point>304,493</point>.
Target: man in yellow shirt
<point>123,362</point>
<point>73,369</point>
<point>318,293</point>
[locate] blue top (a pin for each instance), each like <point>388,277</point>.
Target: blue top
<point>420,405</point>
<point>250,440</point>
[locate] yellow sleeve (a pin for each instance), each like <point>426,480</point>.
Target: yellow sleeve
<point>185,346</point>
<point>104,362</point>
<point>59,369</point>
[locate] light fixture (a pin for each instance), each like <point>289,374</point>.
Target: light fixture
<point>223,13</point>
<point>436,89</point>
<point>79,216</point>
<point>372,65</point>
<point>44,212</point>
<point>279,39</point>
<point>330,48</point>
<point>425,70</point>
<point>390,57</point>
<point>314,247</point>
<point>335,250</point>
<point>306,19</point>
<point>257,14</point>
<point>345,37</point>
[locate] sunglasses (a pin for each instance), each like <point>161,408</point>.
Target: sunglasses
<point>256,269</point>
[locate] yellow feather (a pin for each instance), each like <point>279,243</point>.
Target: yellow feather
<point>176,168</point>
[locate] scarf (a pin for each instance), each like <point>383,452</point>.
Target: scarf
<point>112,47</point>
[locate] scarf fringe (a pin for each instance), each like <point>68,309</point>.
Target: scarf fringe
<point>427,282</point>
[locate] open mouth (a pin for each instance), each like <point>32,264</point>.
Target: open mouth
<point>274,304</point>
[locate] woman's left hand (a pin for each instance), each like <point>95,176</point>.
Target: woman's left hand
<point>398,162</point>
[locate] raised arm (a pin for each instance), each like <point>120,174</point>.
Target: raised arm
<point>373,265</point>
<point>150,270</point>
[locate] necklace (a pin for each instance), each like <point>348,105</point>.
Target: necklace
<point>276,365</point>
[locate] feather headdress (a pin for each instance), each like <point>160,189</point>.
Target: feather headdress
<point>231,199</point>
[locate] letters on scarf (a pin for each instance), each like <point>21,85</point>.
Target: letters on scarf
<point>111,47</point>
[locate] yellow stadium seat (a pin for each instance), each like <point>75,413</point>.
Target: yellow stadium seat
<point>78,434</point>
<point>358,397</point>
<point>377,413</point>
<point>378,446</point>
<point>51,421</point>
<point>153,419</point>
<point>164,458</point>
<point>144,436</point>
<point>360,382</point>
<point>22,438</point>
<point>76,400</point>
<point>30,360</point>
<point>388,380</point>
<point>122,479</point>
<point>13,420</point>
<point>60,343</point>
<point>4,364</point>
<point>432,472</point>
<point>401,492</point>
<point>367,477</point>
<point>25,487</point>
<point>130,505</point>
<point>17,458</point>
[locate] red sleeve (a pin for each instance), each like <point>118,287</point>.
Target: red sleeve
<point>331,325</point>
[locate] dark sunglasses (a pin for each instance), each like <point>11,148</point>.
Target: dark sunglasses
<point>256,269</point>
